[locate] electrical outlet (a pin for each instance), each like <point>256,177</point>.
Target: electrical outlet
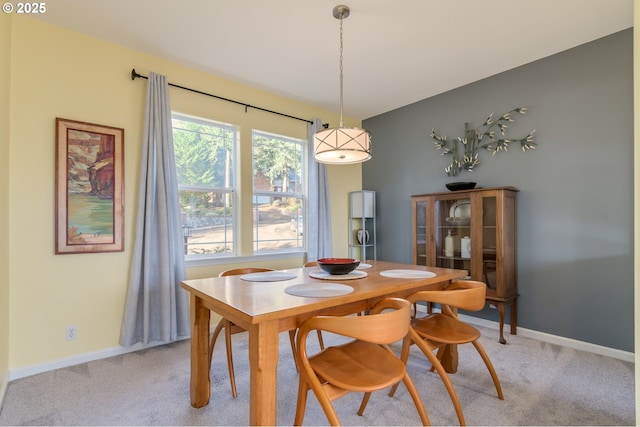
<point>71,333</point>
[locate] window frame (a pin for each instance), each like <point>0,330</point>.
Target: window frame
<point>241,252</point>
<point>210,258</point>
<point>302,195</point>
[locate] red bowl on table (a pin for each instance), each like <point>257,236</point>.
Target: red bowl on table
<point>336,266</point>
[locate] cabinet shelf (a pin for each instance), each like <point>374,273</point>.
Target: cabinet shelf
<point>362,218</point>
<point>453,258</point>
<point>492,231</point>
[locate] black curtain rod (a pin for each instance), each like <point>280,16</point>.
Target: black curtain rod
<point>134,75</point>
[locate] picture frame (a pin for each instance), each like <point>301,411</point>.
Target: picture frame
<point>89,188</point>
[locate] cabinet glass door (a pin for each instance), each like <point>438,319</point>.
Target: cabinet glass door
<point>420,238</point>
<point>453,233</point>
<point>489,242</point>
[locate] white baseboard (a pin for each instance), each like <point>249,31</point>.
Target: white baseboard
<point>554,339</point>
<point>17,373</point>
<point>3,391</point>
<point>543,336</point>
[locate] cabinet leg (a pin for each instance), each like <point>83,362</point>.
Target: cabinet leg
<point>514,318</point>
<point>501,313</point>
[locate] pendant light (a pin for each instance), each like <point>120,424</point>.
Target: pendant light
<point>342,145</point>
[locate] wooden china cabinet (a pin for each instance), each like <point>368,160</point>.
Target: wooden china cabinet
<point>473,230</point>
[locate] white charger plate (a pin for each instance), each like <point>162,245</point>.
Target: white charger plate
<point>321,274</point>
<point>408,274</point>
<point>269,276</point>
<point>319,290</point>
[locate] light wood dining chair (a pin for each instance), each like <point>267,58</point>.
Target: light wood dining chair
<point>364,364</point>
<point>292,334</point>
<point>438,330</point>
<point>231,328</point>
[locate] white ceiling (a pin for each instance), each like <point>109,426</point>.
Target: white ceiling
<point>396,52</point>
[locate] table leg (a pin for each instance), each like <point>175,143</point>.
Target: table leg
<point>200,382</point>
<point>263,358</point>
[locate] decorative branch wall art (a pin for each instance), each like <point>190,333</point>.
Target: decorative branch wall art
<point>89,188</point>
<point>465,156</point>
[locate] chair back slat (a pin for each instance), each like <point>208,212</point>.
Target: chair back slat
<point>245,270</point>
<point>385,327</point>
<point>465,294</point>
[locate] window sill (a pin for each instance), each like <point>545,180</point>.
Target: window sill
<point>206,261</point>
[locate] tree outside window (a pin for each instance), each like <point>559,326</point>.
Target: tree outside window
<point>204,166</point>
<point>279,183</point>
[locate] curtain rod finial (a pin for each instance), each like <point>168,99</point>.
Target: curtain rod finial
<point>134,74</point>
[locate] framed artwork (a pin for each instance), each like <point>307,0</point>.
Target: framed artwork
<point>89,188</point>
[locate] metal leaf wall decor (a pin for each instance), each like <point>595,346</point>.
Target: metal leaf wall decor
<point>465,155</point>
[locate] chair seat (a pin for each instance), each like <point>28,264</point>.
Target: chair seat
<point>444,329</point>
<point>358,366</point>
<point>366,364</point>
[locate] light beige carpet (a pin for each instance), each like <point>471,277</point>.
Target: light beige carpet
<point>544,384</point>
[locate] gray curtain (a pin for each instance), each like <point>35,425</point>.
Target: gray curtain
<point>157,309</point>
<point>319,236</point>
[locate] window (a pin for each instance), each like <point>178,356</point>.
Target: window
<point>205,168</point>
<point>278,192</point>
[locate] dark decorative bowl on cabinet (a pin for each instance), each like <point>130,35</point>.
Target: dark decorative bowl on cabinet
<point>458,186</point>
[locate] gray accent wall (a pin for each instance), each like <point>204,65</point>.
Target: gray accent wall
<point>575,205</point>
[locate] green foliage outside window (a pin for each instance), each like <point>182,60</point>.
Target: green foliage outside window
<point>279,160</point>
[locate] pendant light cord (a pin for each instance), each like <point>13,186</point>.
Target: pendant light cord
<point>341,68</point>
<point>341,145</point>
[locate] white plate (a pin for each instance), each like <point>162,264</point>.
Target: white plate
<point>408,274</point>
<point>363,266</point>
<point>269,276</point>
<point>355,274</point>
<point>319,290</point>
<point>457,221</point>
<point>460,209</point>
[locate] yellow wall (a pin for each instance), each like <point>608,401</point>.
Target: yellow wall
<point>59,73</point>
<point>5,50</point>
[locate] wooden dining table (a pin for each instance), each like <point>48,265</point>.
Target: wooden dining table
<point>266,308</point>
